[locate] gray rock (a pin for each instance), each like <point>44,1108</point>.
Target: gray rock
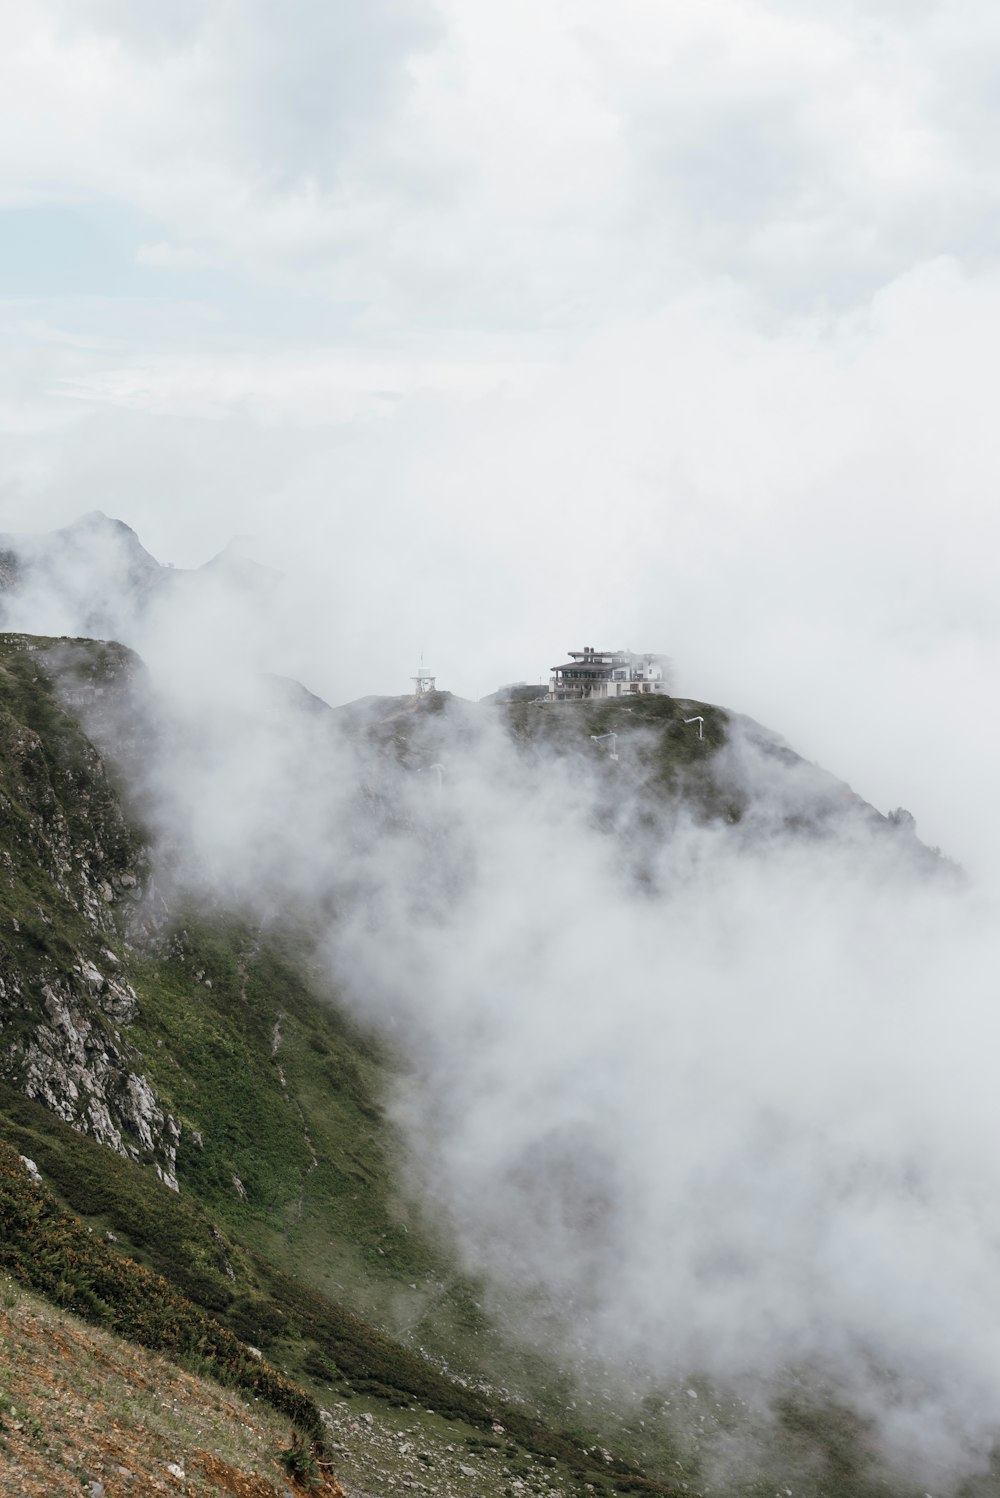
<point>81,1072</point>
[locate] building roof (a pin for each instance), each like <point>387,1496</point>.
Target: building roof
<point>595,666</point>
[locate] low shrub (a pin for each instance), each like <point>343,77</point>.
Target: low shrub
<point>53,1253</point>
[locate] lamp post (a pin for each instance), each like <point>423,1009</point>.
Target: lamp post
<point>599,738</point>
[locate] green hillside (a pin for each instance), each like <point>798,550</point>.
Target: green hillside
<point>198,1049</point>
<point>193,1094</point>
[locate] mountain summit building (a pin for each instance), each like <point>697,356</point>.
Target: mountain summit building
<point>591,673</point>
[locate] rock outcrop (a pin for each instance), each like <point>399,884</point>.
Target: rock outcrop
<point>73,871</point>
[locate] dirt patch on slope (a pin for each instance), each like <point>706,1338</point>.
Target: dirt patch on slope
<point>83,1412</point>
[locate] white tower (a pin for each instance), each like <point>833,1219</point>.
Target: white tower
<point>424,682</point>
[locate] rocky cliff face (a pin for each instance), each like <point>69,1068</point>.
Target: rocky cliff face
<point>73,875</point>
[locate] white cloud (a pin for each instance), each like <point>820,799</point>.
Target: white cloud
<point>802,514</point>
<point>733,1125</point>
<point>664,325</point>
<point>502,166</point>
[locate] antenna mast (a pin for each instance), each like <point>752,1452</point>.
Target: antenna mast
<point>425,681</point>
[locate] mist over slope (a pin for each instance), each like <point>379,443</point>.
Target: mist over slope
<point>95,578</point>
<point>697,1046</point>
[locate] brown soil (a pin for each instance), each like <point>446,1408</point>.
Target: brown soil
<point>85,1413</point>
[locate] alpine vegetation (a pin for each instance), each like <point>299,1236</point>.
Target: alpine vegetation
<point>691,1047</point>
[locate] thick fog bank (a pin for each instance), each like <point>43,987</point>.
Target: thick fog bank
<point>736,1120</point>
<point>700,1098</point>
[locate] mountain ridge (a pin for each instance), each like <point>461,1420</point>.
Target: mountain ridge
<point>163,1027</point>
<point>93,578</point>
<point>226,1264</point>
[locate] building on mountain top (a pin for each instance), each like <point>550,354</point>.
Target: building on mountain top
<point>591,673</point>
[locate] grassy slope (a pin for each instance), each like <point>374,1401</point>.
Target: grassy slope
<point>282,1092</point>
<point>79,1406</point>
<point>49,1249</point>
<point>319,1247</point>
<point>356,1373</point>
<point>61,827</point>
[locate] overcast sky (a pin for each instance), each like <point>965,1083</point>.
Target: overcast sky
<point>502,329</point>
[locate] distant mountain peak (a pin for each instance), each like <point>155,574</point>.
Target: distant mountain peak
<point>94,518</point>
<point>234,561</point>
<point>95,524</point>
